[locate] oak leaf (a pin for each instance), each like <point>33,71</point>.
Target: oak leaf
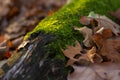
<point>72,51</point>
<point>75,55</point>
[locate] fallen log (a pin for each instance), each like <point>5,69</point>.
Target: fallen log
<point>42,59</point>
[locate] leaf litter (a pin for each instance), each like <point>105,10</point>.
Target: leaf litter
<point>101,57</point>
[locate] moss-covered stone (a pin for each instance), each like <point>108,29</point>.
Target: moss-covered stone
<point>61,22</point>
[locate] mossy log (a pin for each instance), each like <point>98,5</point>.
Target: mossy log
<point>61,23</point>
<point>44,59</point>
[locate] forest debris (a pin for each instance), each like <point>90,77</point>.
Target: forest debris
<point>101,35</point>
<point>108,23</point>
<point>93,56</point>
<point>3,49</point>
<point>14,28</point>
<point>102,21</point>
<point>4,8</point>
<point>71,51</point>
<point>75,55</point>
<point>23,44</point>
<point>103,71</point>
<point>87,33</point>
<point>110,49</point>
<point>17,41</point>
<point>108,46</point>
<point>13,36</point>
<point>102,42</point>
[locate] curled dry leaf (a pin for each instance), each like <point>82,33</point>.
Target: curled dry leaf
<point>93,56</point>
<point>108,23</point>
<point>87,33</point>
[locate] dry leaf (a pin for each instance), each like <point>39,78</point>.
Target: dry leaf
<point>108,23</point>
<point>102,21</point>
<point>101,35</point>
<point>108,45</point>
<point>110,49</point>
<point>85,20</point>
<point>93,56</point>
<point>87,33</point>
<point>103,71</point>
<point>74,54</point>
<point>72,51</point>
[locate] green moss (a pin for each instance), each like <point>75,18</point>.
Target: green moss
<point>61,22</point>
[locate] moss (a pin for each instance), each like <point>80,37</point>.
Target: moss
<point>61,22</point>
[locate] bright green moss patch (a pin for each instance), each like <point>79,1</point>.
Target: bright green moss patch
<point>61,22</point>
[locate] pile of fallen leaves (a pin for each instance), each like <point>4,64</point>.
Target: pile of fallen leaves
<point>100,56</point>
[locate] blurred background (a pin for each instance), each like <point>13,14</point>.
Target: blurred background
<point>17,17</point>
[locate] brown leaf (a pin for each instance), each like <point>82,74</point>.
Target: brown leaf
<point>108,45</point>
<point>103,71</point>
<point>72,51</point>
<point>74,54</point>
<point>110,49</point>
<point>93,56</point>
<point>85,20</point>
<point>87,33</point>
<point>101,35</point>
<point>105,22</point>
<point>102,21</point>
